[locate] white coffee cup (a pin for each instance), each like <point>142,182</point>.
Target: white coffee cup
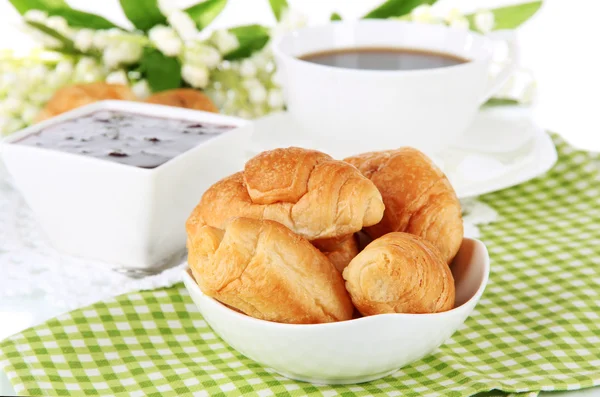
<point>362,110</point>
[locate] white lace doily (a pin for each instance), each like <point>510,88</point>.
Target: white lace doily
<point>29,265</point>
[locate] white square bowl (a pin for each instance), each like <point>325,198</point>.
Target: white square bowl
<point>130,217</point>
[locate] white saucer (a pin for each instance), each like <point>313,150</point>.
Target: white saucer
<point>503,148</point>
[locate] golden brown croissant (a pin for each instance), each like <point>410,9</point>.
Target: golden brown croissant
<point>74,96</point>
<point>184,98</point>
<point>343,253</point>
<point>417,195</point>
<point>263,269</point>
<point>400,273</point>
<point>305,190</point>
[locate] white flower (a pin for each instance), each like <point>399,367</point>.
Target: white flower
<point>118,77</point>
<point>196,76</point>
<point>225,41</point>
<point>484,21</point>
<point>35,16</point>
<point>37,74</point>
<point>259,110</point>
<point>263,59</point>
<point>453,14</point>
<point>46,40</point>
<point>85,64</point>
<point>111,56</point>
<point>244,113</point>
<point>84,39</point>
<point>250,83</point>
<point>167,6</point>
<point>141,89</point>
<point>4,112</point>
<point>29,113</point>
<point>277,78</point>
<point>202,55</point>
<point>10,124</point>
<point>100,39</point>
<point>290,20</point>
<point>12,105</point>
<point>247,68</point>
<point>7,81</point>
<point>56,80</point>
<point>528,93</point>
<point>460,23</point>
<point>124,52</point>
<point>521,86</point>
<point>257,93</point>
<point>87,70</point>
<point>275,99</point>
<point>218,97</point>
<point>183,24</point>
<point>131,51</point>
<point>91,77</point>
<point>64,69</point>
<point>423,14</point>
<point>58,24</point>
<point>25,85</point>
<point>40,97</point>
<point>456,19</point>
<point>166,40</point>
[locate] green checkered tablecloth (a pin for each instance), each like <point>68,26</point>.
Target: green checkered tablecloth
<point>537,326</point>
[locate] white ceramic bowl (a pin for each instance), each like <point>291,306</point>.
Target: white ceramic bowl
<point>130,217</point>
<point>352,351</point>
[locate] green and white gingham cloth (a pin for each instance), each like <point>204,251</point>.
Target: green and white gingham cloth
<point>537,326</point>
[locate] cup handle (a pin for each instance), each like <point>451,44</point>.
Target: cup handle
<point>510,65</point>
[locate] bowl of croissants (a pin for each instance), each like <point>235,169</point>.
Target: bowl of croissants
<point>334,271</point>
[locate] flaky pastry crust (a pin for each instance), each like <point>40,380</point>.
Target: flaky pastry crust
<point>343,253</point>
<point>312,194</point>
<point>263,269</point>
<point>418,198</point>
<point>400,273</point>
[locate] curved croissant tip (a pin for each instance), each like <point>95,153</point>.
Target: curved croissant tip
<point>374,211</point>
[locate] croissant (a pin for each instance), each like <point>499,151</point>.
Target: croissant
<point>417,195</point>
<point>74,96</point>
<point>263,269</point>
<point>321,199</point>
<point>400,273</point>
<point>343,253</point>
<point>184,98</point>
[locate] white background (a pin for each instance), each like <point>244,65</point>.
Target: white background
<point>560,45</point>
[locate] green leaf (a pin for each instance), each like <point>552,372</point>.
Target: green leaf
<point>335,17</point>
<point>67,44</point>
<point>75,18</point>
<point>501,102</point>
<point>278,6</point>
<point>143,14</point>
<point>80,19</point>
<point>161,72</point>
<point>44,5</point>
<point>251,38</point>
<point>510,17</point>
<point>396,8</point>
<point>204,13</point>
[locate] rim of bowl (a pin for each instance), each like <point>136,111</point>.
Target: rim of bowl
<point>125,106</point>
<point>245,317</point>
<point>279,52</point>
